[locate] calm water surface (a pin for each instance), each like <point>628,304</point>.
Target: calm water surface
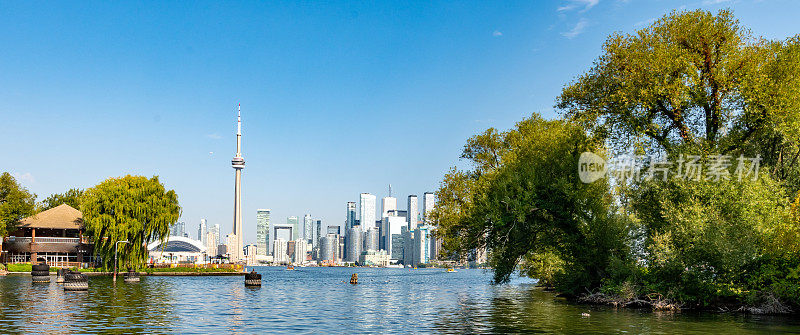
<point>317,300</point>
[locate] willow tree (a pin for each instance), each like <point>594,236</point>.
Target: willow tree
<point>132,208</point>
<point>72,197</point>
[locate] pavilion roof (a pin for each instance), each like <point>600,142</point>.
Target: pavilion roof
<point>60,217</point>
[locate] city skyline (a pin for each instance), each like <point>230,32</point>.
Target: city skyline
<point>321,85</point>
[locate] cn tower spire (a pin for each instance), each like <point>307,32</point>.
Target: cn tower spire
<point>238,164</point>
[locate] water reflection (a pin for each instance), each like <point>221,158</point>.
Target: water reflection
<point>319,300</point>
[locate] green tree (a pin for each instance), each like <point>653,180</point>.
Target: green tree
<point>72,197</point>
<point>690,79</point>
<point>16,203</point>
<point>524,202</point>
<point>132,208</point>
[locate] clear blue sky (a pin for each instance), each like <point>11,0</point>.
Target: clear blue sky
<point>337,98</point>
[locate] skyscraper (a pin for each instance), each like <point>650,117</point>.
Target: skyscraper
<point>300,251</point>
<point>178,229</point>
<point>238,164</point>
<point>308,228</point>
<point>279,251</point>
<point>293,221</point>
<point>262,231</point>
<point>217,236</point>
<point>388,204</point>
<point>371,239</point>
<point>422,245</point>
<point>328,248</point>
<point>427,206</point>
<point>412,212</point>
<point>367,210</point>
<point>353,243</point>
<point>351,215</point>
<point>318,234</point>
<point>201,231</point>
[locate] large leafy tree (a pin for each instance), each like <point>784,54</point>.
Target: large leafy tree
<point>71,197</point>
<point>16,203</point>
<point>523,200</point>
<point>691,79</point>
<point>133,208</point>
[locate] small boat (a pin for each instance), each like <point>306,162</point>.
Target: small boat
<point>451,270</point>
<point>290,268</point>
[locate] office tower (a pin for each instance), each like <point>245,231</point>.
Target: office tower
<point>211,244</point>
<point>290,250</point>
<point>300,251</point>
<point>396,246</point>
<point>422,245</point>
<point>307,227</point>
<point>427,206</point>
<point>328,248</point>
<point>250,252</point>
<point>178,229</point>
<point>353,243</point>
<point>279,251</point>
<point>217,236</point>
<point>412,212</point>
<point>390,233</point>
<point>400,213</point>
<point>318,234</point>
<point>238,164</point>
<point>262,231</point>
<point>230,244</point>
<point>351,215</point>
<point>201,231</point>
<point>388,204</point>
<point>340,248</point>
<point>294,222</point>
<point>334,230</point>
<point>371,239</point>
<point>367,210</point>
<point>408,246</point>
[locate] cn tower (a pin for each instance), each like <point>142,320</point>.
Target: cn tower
<point>238,164</point>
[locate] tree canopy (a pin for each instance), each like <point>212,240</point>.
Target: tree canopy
<point>16,203</point>
<point>133,208</point>
<point>72,197</point>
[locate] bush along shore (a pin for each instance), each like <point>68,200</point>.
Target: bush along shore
<point>669,181</point>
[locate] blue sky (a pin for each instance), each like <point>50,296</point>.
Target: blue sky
<point>338,98</point>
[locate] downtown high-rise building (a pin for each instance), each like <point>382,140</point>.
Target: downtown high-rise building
<point>178,229</point>
<point>279,251</point>
<point>388,204</point>
<point>391,236</point>
<point>412,213</point>
<point>300,251</point>
<point>294,223</point>
<point>427,206</point>
<point>201,231</point>
<point>367,210</point>
<point>371,239</point>
<point>354,244</point>
<point>329,246</point>
<point>262,231</point>
<point>308,227</point>
<point>350,219</point>
<point>211,244</point>
<point>317,232</point>
<point>217,237</point>
<point>422,245</point>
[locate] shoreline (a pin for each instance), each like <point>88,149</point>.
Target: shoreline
<point>154,274</point>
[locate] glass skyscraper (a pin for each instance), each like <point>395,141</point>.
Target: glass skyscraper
<point>262,231</point>
<point>293,221</point>
<point>412,212</point>
<point>367,210</point>
<point>308,226</point>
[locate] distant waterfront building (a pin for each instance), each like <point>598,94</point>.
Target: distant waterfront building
<point>391,236</point>
<point>293,221</point>
<point>300,251</point>
<point>318,231</point>
<point>422,245</point>
<point>427,206</point>
<point>328,248</point>
<point>250,252</point>
<point>388,204</point>
<point>353,243</point>
<point>217,236</point>
<point>178,249</point>
<point>279,251</point>
<point>412,212</point>
<point>231,244</point>
<point>374,258</point>
<point>178,229</point>
<point>350,219</point>
<point>408,246</point>
<point>334,230</point>
<point>201,231</point>
<point>340,248</point>
<point>371,239</point>
<point>290,250</point>
<point>308,226</point>
<point>367,210</point>
<point>262,231</point>
<point>399,213</point>
<point>211,244</point>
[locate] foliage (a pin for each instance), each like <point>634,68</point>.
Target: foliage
<point>16,203</point>
<point>523,200</point>
<point>132,208</point>
<point>72,197</point>
<point>690,79</point>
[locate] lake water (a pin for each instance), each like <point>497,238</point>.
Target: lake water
<point>317,300</point>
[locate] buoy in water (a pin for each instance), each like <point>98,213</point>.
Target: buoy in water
<point>354,279</point>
